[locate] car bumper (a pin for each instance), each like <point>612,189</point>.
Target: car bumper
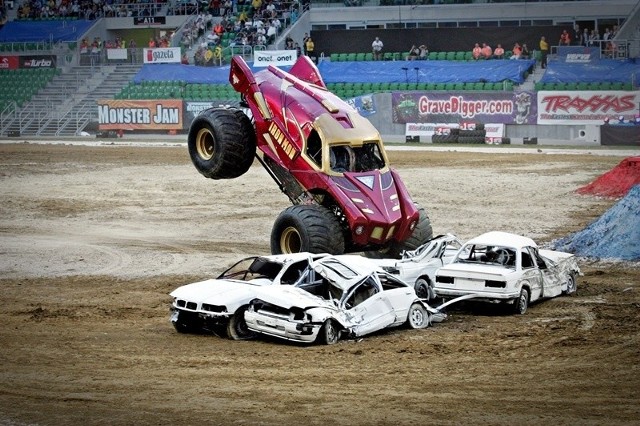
<point>284,329</point>
<point>491,295</point>
<point>205,316</point>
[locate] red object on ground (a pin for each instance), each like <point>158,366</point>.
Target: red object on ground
<point>617,181</point>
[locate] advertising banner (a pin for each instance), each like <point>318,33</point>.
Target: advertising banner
<point>427,129</point>
<point>162,114</point>
<point>150,20</point>
<point>9,62</point>
<point>116,54</point>
<point>263,58</point>
<point>365,105</point>
<point>192,108</point>
<point>586,107</point>
<point>162,55</point>
<point>454,107</point>
<point>578,54</point>
<point>38,61</point>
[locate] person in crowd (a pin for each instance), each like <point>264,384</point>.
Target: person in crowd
<point>304,43</point>
<point>517,51</point>
<point>593,38</point>
<point>565,38</point>
<point>525,54</point>
<point>424,52</point>
<point>477,51</point>
<point>577,35</point>
<point>184,60</point>
<point>544,51</point>
<point>607,34</point>
<point>498,53</point>
<point>487,52</point>
<point>310,48</point>
<point>414,53</point>
<point>376,48</point>
<point>585,37</point>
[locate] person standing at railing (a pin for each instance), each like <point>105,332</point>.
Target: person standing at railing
<point>544,51</point>
<point>376,48</point>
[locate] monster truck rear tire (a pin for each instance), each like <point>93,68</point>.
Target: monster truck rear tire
<point>222,143</point>
<point>311,228</point>
<point>422,233</point>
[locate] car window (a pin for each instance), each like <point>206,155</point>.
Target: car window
<point>294,272</point>
<point>527,259</point>
<point>361,292</point>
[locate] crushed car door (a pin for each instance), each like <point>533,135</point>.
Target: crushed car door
<point>551,280</point>
<point>531,273</point>
<point>367,308</point>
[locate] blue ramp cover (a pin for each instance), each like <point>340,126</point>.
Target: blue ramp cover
<point>491,71</point>
<point>352,72</point>
<point>34,31</point>
<point>611,70</point>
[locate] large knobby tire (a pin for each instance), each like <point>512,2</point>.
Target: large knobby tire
<point>329,333</point>
<point>418,316</point>
<point>237,328</point>
<point>307,228</point>
<point>521,304</point>
<point>222,143</point>
<point>422,233</point>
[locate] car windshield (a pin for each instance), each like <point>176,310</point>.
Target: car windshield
<point>487,254</point>
<point>252,268</point>
<point>346,158</point>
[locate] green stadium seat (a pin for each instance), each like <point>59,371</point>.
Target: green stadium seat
<point>582,86</point>
<point>439,86</point>
<point>468,86</point>
<point>432,56</point>
<point>460,55</point>
<point>343,57</point>
<point>450,56</point>
<point>351,57</point>
<point>478,86</point>
<point>442,56</point>
<point>394,86</point>
<point>333,57</point>
<point>369,56</point>
<point>360,56</point>
<point>449,87</point>
<point>458,86</point>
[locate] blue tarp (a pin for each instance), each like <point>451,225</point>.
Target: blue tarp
<point>353,72</point>
<point>611,70</point>
<point>35,31</point>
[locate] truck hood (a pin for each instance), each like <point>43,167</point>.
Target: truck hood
<point>217,292</point>
<point>376,191</point>
<point>288,297</point>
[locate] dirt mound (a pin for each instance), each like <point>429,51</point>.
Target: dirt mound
<point>617,181</point>
<point>615,235</point>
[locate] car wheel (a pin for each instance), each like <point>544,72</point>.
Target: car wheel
<point>329,333</point>
<point>237,328</point>
<point>185,323</point>
<point>571,284</point>
<point>418,316</point>
<point>521,303</point>
<point>422,288</point>
<point>307,228</point>
<point>222,143</point>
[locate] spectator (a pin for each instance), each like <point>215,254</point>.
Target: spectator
<point>544,51</point>
<point>487,52</point>
<point>376,47</point>
<point>499,52</point>
<point>476,52</point>
<point>310,48</point>
<point>577,35</point>
<point>298,50</point>
<point>585,37</point>
<point>414,53</point>
<point>525,54</point>
<point>517,51</point>
<point>185,59</point>
<point>565,39</point>
<point>607,34</point>
<point>424,52</point>
<point>304,43</point>
<point>593,38</point>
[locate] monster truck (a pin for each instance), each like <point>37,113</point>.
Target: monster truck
<point>327,159</point>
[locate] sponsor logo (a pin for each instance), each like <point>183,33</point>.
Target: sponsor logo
<point>130,115</point>
<point>37,63</point>
<point>465,108</point>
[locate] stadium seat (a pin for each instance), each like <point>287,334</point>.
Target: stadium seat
<point>351,57</point>
<point>442,56</point>
<point>582,86</point>
<point>439,86</point>
<point>468,86</point>
<point>449,87</point>
<point>369,56</point>
<point>343,57</point>
<point>360,56</point>
<point>432,56</point>
<point>394,86</point>
<point>458,86</point>
<point>333,57</point>
<point>450,56</point>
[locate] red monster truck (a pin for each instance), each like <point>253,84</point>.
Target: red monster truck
<point>323,155</point>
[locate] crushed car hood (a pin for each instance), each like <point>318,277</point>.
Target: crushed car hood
<point>288,297</point>
<point>217,291</point>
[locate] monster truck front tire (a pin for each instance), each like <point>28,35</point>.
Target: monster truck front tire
<point>222,143</point>
<point>422,233</point>
<point>311,228</point>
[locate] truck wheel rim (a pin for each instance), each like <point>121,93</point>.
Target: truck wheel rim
<point>204,144</point>
<point>290,241</point>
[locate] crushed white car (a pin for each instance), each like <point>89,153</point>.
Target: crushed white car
<point>218,305</point>
<point>507,268</point>
<point>418,267</point>
<point>343,295</point>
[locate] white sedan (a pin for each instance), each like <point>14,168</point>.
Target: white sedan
<point>218,305</point>
<point>339,295</point>
<point>418,267</point>
<point>508,268</point>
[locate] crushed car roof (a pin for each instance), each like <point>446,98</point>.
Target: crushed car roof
<point>504,239</point>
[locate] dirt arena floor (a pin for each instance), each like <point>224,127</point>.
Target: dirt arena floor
<point>93,239</point>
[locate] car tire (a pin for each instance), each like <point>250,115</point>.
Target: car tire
<point>222,143</point>
<point>571,284</point>
<point>422,288</point>
<point>521,304</point>
<point>307,228</point>
<point>422,233</point>
<point>237,328</point>
<point>186,323</point>
<point>418,316</point>
<point>329,333</point>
